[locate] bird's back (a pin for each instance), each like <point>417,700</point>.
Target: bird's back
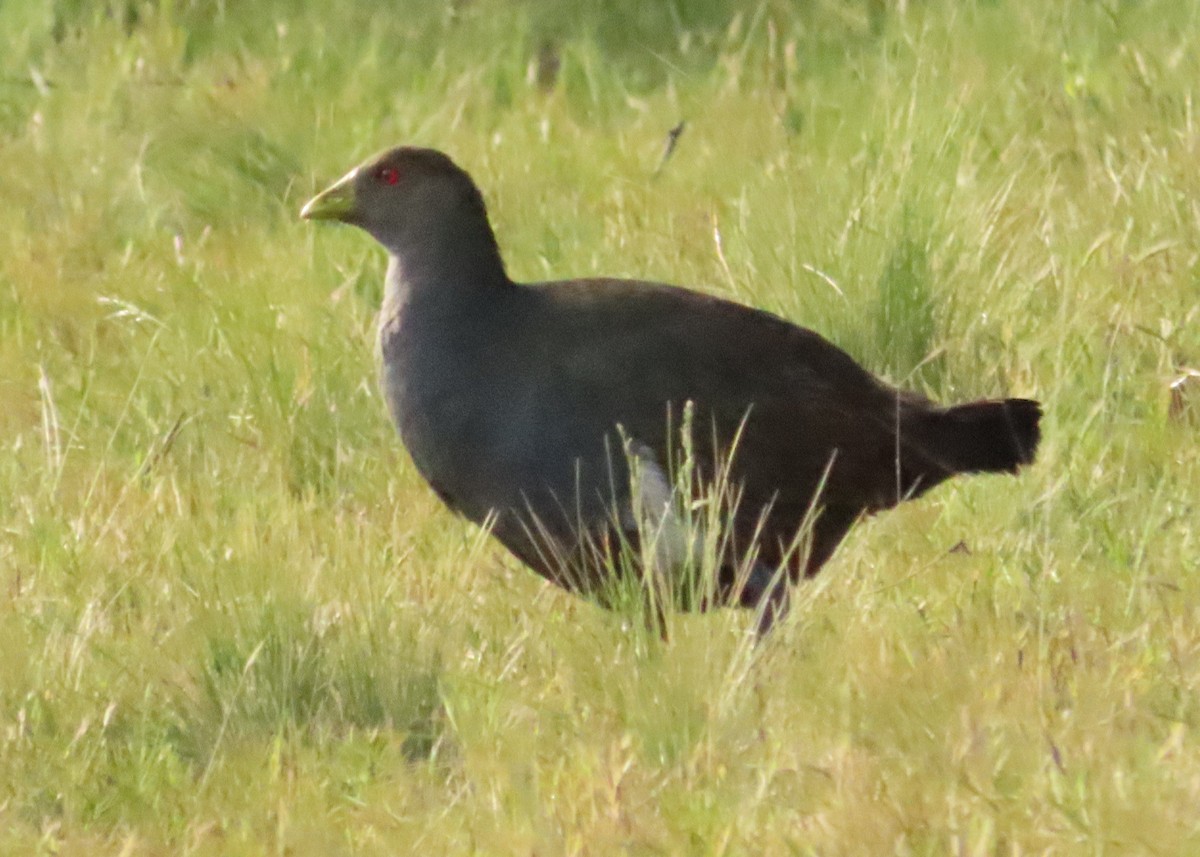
<point>634,353</point>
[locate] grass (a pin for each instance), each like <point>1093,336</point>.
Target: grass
<point>233,621</point>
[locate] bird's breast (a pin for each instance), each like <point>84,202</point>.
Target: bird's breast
<point>475,431</point>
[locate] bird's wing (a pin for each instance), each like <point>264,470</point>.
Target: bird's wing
<point>621,352</point>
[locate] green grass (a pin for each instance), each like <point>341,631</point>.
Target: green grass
<point>232,619</point>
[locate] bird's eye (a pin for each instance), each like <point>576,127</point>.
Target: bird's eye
<point>388,175</point>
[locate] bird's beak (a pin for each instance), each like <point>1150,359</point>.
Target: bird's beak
<point>334,203</point>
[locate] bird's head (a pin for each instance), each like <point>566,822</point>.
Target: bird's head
<point>406,197</point>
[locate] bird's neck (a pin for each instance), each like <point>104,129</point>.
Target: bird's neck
<point>444,270</point>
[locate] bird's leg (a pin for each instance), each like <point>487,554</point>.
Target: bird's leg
<point>766,592</point>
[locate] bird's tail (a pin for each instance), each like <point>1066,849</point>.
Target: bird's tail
<point>985,436</point>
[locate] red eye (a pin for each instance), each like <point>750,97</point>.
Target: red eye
<point>388,175</point>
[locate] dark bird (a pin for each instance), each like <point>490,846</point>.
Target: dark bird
<point>552,411</point>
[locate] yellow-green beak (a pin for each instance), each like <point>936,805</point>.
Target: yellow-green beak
<point>333,203</point>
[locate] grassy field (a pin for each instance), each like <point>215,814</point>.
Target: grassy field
<point>232,619</point>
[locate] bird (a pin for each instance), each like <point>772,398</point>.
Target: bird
<point>553,413</point>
